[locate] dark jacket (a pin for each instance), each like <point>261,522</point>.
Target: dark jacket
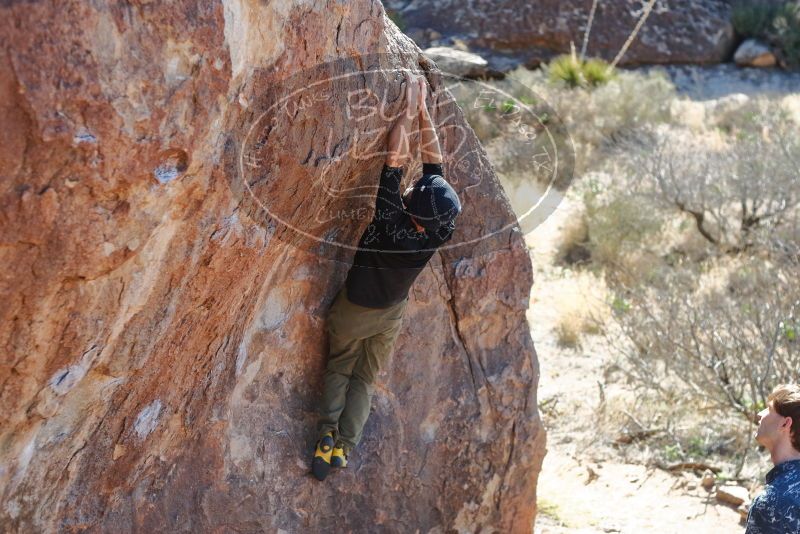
<point>776,510</point>
<point>391,253</point>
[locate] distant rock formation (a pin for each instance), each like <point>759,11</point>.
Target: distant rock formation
<point>753,53</point>
<point>163,338</point>
<point>509,33</point>
<point>457,62</point>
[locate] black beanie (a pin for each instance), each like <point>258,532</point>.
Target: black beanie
<point>433,202</point>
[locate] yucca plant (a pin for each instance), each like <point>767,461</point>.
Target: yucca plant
<point>574,72</point>
<point>565,69</point>
<point>597,72</point>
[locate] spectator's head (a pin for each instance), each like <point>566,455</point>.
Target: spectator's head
<point>432,203</point>
<point>779,423</point>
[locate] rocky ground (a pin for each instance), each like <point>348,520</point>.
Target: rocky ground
<point>717,81</point>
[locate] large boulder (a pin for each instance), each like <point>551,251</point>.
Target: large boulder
<point>457,62</point>
<point>162,328</point>
<point>754,53</point>
<point>512,32</point>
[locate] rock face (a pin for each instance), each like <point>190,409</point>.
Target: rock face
<point>513,32</point>
<point>163,339</point>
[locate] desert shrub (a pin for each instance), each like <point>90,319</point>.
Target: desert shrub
<point>567,70</point>
<point>622,234</point>
<point>598,118</point>
<point>700,350</point>
<point>720,330</point>
<point>484,125</point>
<point>725,345</point>
<point>568,331</point>
<point>571,71</point>
<point>753,18</point>
<point>739,192</point>
<point>573,248</point>
<point>595,119</point>
<point>592,325</point>
<point>738,117</point>
<point>503,111</point>
<point>786,32</point>
<point>616,227</point>
<point>597,72</point>
<point>647,428</point>
<point>773,21</point>
<point>573,325</point>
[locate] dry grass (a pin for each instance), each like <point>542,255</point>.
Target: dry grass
<point>568,331</point>
<point>573,248</point>
<point>646,430</point>
<point>582,309</point>
<point>597,118</point>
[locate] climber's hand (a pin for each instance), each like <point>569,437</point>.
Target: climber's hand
<point>412,96</point>
<point>399,149</point>
<point>429,140</point>
<point>423,92</point>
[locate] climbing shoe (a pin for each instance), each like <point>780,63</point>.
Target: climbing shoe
<point>338,456</point>
<point>321,464</point>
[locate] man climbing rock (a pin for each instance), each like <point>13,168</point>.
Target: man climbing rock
<point>366,315</point>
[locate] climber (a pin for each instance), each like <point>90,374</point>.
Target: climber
<point>366,315</point>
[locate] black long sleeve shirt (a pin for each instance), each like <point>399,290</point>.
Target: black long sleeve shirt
<point>391,252</point>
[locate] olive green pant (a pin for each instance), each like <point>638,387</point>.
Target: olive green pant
<point>361,341</point>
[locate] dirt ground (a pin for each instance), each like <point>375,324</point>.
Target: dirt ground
<point>581,491</point>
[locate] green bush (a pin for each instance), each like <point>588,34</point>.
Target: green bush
<point>618,230</point>
<point>753,19</point>
<point>773,21</point>
<point>786,32</point>
<point>567,69</point>
<point>596,72</point>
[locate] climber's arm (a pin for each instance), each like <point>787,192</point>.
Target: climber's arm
<point>389,203</point>
<point>399,145</point>
<point>429,140</point>
<point>431,156</point>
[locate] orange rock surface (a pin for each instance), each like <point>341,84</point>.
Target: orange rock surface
<point>163,304</point>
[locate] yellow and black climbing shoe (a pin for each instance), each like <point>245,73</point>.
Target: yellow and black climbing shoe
<point>338,457</point>
<point>321,464</point>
